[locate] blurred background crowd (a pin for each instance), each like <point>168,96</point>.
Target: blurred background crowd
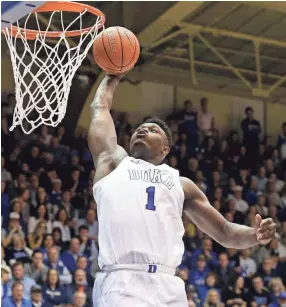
<point>49,221</point>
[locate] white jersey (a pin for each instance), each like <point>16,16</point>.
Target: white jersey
<point>139,207</point>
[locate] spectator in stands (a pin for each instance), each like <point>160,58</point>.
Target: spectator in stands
<point>206,250</point>
<point>188,124</point>
<point>92,224</point>
<point>57,236</point>
<point>82,264</point>
<point>36,296</point>
<point>205,118</point>
<point>45,138</point>
<point>62,222</point>
<point>14,227</point>
<point>198,274</point>
<point>192,296</point>
<point>260,294</point>
<point>80,299</point>
<point>247,264</point>
<point>35,239</point>
<point>265,271</point>
<point>276,288</point>
<point>37,270</point>
<point>251,131</point>
<point>54,262</point>
<point>80,284</point>
<point>213,299</point>
<point>236,294</point>
<point>70,256</point>
<point>41,216</point>
<point>18,275</point>
<point>240,204</point>
<point>55,196</point>
<point>55,294</point>
<point>18,251</point>
<point>5,175</point>
<point>87,246</point>
<point>48,243</point>
<point>17,297</point>
<point>225,273</point>
<point>261,180</point>
<point>210,283</point>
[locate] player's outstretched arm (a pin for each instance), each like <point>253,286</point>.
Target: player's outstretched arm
<point>211,222</point>
<point>102,139</point>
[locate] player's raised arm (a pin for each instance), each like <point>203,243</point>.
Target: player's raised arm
<point>102,139</point>
<point>210,221</point>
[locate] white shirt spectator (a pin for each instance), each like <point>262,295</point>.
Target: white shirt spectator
<point>248,266</point>
<point>66,233</point>
<point>205,121</point>
<point>261,183</point>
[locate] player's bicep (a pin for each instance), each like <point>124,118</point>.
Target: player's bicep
<point>201,213</point>
<point>101,133</point>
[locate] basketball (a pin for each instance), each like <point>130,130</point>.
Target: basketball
<point>116,50</point>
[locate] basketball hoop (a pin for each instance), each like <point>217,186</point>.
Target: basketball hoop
<point>43,73</point>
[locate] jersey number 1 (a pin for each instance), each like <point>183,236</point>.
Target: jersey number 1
<point>150,200</point>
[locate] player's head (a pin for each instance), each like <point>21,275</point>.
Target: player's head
<point>151,141</point>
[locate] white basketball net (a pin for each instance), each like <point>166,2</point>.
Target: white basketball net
<point>43,73</point>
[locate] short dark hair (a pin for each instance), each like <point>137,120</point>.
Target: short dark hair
<point>85,227</point>
<point>163,126</point>
<point>17,283</point>
<point>36,252</point>
<point>18,263</point>
<point>248,109</point>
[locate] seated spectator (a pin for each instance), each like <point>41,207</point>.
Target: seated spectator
<point>224,272</point>
<point>238,216</point>
<point>55,294</point>
<point>281,300</point>
<point>62,222</point>
<point>80,284</point>
<point>17,297</point>
<point>35,238</point>
<point>53,262</point>
<point>45,138</point>
<point>87,246</point>
<point>5,175</point>
<point>69,257</point>
<point>5,202</point>
<point>92,224</point>
<point>260,294</point>
<point>5,277</point>
<point>222,173</point>
<point>266,271</point>
<point>206,250</point>
<point>14,227</point>
<point>241,205</point>
<point>18,275</point>
<point>276,287</point>
<point>183,273</point>
<point>247,264</point>
<point>198,274</point>
<point>252,193</point>
<point>261,180</point>
<point>17,208</point>
<point>210,283</point>
<point>36,296</point>
<point>37,270</point>
<point>213,299</point>
<point>205,118</point>
<point>260,207</point>
<point>18,251</point>
<point>57,236</point>
<point>236,294</point>
<point>80,299</point>
<point>33,188</point>
<point>48,242</point>
<point>55,196</point>
<point>200,182</point>
<point>41,215</point>
<point>192,296</point>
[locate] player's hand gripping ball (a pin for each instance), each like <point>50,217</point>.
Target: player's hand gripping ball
<point>116,50</point>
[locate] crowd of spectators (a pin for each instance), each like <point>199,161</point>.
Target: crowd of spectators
<point>49,221</point>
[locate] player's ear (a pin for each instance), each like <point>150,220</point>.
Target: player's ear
<point>166,150</point>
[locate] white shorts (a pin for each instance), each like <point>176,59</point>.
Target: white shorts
<point>126,288</point>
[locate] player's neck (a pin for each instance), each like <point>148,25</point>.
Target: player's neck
<point>152,160</point>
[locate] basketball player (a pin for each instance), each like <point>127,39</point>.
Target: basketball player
<point>140,202</point>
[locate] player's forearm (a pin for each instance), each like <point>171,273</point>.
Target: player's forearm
<point>239,236</point>
<point>104,94</point>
